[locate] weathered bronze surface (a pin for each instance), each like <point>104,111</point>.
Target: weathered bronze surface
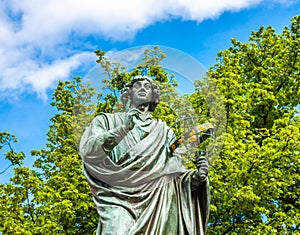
<point>139,186</point>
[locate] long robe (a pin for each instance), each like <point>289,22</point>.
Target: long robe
<point>140,187</point>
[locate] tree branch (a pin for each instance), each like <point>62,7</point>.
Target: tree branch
<point>2,172</point>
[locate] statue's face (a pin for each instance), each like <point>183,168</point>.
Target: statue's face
<point>141,93</point>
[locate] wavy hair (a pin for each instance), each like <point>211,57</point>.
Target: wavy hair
<point>127,92</point>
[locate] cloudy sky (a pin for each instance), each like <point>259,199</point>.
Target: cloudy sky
<point>42,42</point>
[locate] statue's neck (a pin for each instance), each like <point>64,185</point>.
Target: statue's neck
<point>143,108</point>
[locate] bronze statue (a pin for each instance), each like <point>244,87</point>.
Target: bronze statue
<point>138,184</point>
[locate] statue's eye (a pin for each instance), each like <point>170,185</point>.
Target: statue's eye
<point>136,85</point>
<point>147,86</point>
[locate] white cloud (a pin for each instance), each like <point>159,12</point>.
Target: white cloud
<point>116,19</point>
<point>35,48</point>
<point>38,77</point>
<point>44,76</point>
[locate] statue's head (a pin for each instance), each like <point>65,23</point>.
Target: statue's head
<point>141,90</point>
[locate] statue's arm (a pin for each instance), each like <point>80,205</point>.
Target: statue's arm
<point>200,175</point>
<point>97,140</point>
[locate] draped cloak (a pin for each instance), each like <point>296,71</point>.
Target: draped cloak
<point>139,187</point>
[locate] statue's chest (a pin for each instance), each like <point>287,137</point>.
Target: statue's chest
<point>132,139</point>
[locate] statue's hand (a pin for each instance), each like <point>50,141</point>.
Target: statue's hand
<point>202,166</point>
<point>129,118</point>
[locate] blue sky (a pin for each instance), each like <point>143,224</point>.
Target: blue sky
<point>42,42</point>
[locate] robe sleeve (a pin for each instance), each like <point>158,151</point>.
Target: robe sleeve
<point>98,140</point>
<point>199,188</point>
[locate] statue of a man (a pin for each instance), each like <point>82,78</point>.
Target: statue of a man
<point>139,186</point>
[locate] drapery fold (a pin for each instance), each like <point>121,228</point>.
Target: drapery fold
<point>140,187</point>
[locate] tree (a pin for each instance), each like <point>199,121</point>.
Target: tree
<point>53,197</point>
<point>256,179</point>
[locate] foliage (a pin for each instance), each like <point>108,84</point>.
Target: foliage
<point>53,197</point>
<point>256,179</point>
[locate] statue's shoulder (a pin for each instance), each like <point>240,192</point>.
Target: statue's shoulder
<point>111,119</point>
<point>111,115</point>
<point>162,123</point>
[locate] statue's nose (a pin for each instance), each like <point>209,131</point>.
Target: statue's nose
<point>142,88</point>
